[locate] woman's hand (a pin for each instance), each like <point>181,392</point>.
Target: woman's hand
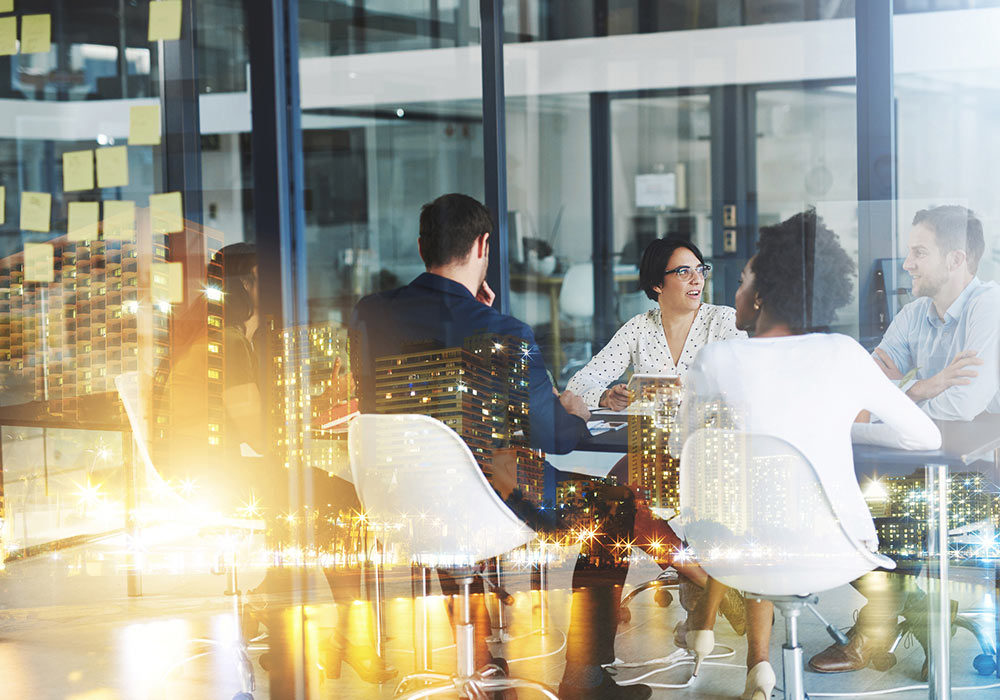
<point>616,398</point>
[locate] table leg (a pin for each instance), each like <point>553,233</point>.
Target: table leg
<point>939,634</point>
<point>557,353</point>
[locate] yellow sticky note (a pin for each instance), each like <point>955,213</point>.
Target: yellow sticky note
<point>36,211</point>
<point>165,20</point>
<point>3,204</point>
<point>8,36</point>
<point>78,170</point>
<point>112,167</point>
<point>167,212</point>
<point>169,277</point>
<point>39,262</point>
<point>36,33</point>
<point>6,5</point>
<point>82,221</point>
<point>119,220</point>
<point>144,125</point>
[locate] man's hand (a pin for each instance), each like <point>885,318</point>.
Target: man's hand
<point>886,364</point>
<point>574,404</point>
<point>616,398</point>
<point>957,373</point>
<point>485,294</point>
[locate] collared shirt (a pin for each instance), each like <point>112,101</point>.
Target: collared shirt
<point>642,344</point>
<point>918,338</point>
<point>441,312</point>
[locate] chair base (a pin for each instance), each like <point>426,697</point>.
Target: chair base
<point>666,579</point>
<point>475,687</point>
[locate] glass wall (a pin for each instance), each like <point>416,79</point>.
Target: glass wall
<point>183,511</point>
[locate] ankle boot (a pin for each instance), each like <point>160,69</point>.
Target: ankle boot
<point>870,636</point>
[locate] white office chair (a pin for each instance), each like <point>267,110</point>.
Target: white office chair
<point>418,480</point>
<point>756,515</point>
<point>576,304</point>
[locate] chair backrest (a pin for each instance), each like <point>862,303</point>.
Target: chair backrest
<point>757,518</point>
<point>424,493</point>
<point>576,296</point>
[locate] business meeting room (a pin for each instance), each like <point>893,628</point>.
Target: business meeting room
<point>499,349</point>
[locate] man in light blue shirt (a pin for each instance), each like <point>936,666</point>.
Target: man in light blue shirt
<point>951,333</point>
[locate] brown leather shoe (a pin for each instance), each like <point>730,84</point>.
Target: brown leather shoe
<point>855,655</point>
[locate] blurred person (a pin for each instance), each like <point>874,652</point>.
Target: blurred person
<point>950,335</point>
<point>665,340</point>
<point>250,463</point>
<point>448,303</point>
<point>794,381</point>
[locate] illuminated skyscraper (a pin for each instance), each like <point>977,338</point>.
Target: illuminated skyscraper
<point>479,390</point>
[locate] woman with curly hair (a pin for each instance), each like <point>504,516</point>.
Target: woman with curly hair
<point>795,381</point>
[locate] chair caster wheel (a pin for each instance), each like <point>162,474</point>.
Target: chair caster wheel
<point>243,696</point>
<point>984,664</point>
<point>883,660</point>
<point>663,598</point>
<point>624,615</point>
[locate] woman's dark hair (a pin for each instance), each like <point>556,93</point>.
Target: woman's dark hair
<point>655,259</point>
<point>801,273</point>
<point>237,262</point>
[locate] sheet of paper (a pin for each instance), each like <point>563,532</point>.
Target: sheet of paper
<point>6,5</point>
<point>112,167</point>
<point>78,170</point>
<point>36,211</point>
<point>82,221</point>
<point>167,212</point>
<point>39,262</point>
<point>165,20</point>
<point>144,125</point>
<point>169,277</point>
<point>36,33</point>
<point>8,36</point>
<point>3,204</point>
<point>119,220</point>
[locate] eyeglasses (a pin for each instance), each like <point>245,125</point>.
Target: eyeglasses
<point>684,272</point>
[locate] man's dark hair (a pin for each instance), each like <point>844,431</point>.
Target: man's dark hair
<point>655,259</point>
<point>801,272</point>
<point>237,261</point>
<point>955,228</point>
<point>449,226</point>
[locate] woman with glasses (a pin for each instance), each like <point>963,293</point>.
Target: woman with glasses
<point>664,340</point>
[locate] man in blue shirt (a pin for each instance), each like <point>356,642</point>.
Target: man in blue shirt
<point>444,306</point>
<point>950,338</point>
<point>951,334</point>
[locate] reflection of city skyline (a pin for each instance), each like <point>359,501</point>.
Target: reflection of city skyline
<point>479,390</point>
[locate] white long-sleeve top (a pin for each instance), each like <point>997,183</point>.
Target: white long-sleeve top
<point>807,390</point>
<point>641,344</point>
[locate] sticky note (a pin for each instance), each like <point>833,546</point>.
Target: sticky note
<point>112,166</point>
<point>36,211</point>
<point>39,262</point>
<point>6,5</point>
<point>36,33</point>
<point>171,276</point>
<point>119,220</point>
<point>8,36</point>
<point>3,204</point>
<point>144,125</point>
<point>167,212</point>
<point>78,170</point>
<point>82,221</point>
<point>165,20</point>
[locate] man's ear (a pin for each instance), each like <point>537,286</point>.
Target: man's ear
<point>957,259</point>
<point>483,245</point>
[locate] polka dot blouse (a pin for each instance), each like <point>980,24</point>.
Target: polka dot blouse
<point>641,344</point>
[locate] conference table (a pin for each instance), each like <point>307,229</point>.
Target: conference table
<point>966,446</point>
